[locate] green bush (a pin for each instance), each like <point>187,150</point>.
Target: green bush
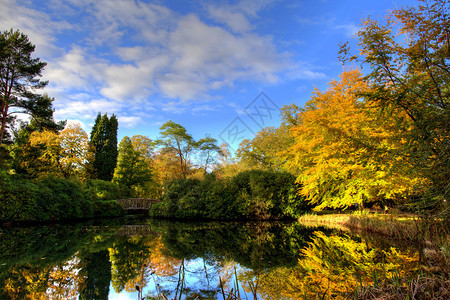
<point>105,190</point>
<point>69,200</point>
<point>107,208</point>
<point>45,199</point>
<point>252,194</point>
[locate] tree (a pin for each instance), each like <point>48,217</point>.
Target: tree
<point>26,155</point>
<point>166,169</point>
<point>174,137</point>
<point>409,57</point>
<point>134,163</point>
<point>344,154</point>
<point>76,151</point>
<point>45,158</point>
<point>208,150</point>
<point>104,142</point>
<point>19,78</point>
<point>263,150</point>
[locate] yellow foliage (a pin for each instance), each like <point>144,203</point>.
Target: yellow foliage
<point>335,265</point>
<point>344,152</point>
<point>76,151</point>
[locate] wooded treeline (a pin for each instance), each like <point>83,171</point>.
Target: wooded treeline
<point>378,135</point>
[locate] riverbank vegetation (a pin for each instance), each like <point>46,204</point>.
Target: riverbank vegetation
<point>378,135</point>
<point>254,194</point>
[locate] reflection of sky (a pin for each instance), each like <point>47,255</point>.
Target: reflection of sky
<point>199,275</point>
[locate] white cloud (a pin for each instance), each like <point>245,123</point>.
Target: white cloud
<point>237,16</point>
<point>132,82</point>
<point>73,70</point>
<point>38,26</point>
<point>130,121</point>
<point>306,74</point>
<point>178,57</point>
<point>207,57</point>
<point>236,21</point>
<point>128,51</point>
<point>349,30</point>
<point>85,109</point>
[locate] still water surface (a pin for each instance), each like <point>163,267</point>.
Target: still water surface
<point>151,259</point>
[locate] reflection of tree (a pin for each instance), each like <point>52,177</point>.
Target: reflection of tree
<point>162,265</point>
<point>188,259</point>
<point>42,282</point>
<point>253,245</point>
<point>127,258</point>
<point>26,282</point>
<point>334,265</point>
<point>98,276</point>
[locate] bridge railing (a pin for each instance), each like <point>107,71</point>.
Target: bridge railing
<point>137,203</point>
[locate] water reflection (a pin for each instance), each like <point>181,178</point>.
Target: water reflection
<point>157,260</point>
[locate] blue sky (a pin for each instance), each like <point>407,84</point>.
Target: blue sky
<point>218,68</point>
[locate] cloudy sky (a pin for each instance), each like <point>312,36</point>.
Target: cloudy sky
<point>218,68</point>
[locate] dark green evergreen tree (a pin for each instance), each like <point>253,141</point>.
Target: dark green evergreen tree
<point>19,79</point>
<point>104,142</point>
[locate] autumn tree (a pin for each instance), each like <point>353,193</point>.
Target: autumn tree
<point>104,142</point>
<point>174,137</point>
<point>40,155</point>
<point>408,68</point>
<point>76,151</point>
<point>343,153</point>
<point>166,169</point>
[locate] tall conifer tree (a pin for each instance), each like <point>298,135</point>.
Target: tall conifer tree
<point>104,142</point>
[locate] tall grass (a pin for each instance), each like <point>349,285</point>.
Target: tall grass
<point>420,287</point>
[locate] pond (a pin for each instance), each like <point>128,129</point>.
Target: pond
<point>134,258</point>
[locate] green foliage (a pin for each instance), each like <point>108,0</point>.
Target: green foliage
<point>249,195</point>
<point>104,190</point>
<point>67,198</point>
<point>133,169</point>
<point>49,198</point>
<point>104,142</point>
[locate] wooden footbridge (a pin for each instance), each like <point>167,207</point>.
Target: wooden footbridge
<point>137,204</point>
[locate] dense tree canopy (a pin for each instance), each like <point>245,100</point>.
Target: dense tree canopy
<point>408,59</point>
<point>344,153</point>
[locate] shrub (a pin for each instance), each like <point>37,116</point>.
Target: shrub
<point>107,208</point>
<point>49,198</point>
<point>252,194</point>
<point>105,190</point>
